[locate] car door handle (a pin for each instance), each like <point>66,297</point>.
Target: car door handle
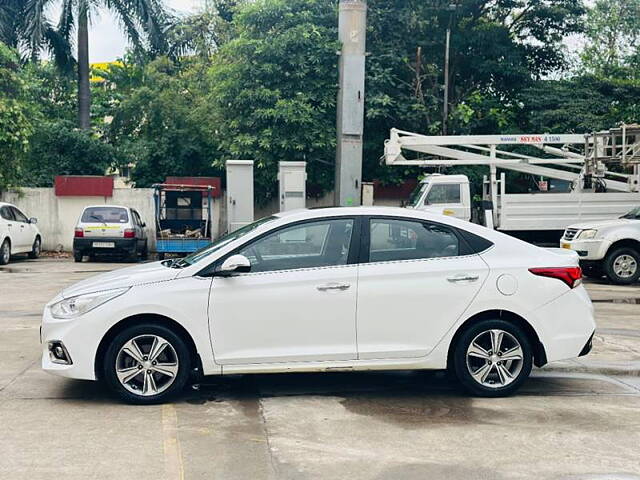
<point>333,286</point>
<point>463,278</point>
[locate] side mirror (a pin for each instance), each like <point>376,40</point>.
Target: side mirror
<point>143,224</point>
<point>234,264</point>
<point>33,220</point>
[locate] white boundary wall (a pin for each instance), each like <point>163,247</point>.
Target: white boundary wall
<point>57,216</point>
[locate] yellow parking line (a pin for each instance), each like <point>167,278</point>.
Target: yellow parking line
<point>173,467</point>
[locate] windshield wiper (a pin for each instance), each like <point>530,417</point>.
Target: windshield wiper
<point>99,219</point>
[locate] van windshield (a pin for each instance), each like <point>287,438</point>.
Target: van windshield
<point>105,215</point>
<point>416,195</point>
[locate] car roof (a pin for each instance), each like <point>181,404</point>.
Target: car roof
<point>106,206</point>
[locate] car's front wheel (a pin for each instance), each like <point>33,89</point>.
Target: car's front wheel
<point>35,249</point>
<point>493,358</point>
<point>146,364</point>
<point>5,252</point>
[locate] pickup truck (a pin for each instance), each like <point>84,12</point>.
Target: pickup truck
<point>608,248</point>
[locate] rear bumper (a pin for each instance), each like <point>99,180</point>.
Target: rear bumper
<point>565,325</point>
<point>85,244</point>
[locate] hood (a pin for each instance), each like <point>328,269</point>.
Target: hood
<point>124,277</point>
<point>615,222</point>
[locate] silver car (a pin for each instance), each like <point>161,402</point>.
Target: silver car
<point>110,229</point>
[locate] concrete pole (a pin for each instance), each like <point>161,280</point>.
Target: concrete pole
<point>445,105</point>
<point>352,22</point>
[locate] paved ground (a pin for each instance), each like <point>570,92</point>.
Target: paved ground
<point>574,420</point>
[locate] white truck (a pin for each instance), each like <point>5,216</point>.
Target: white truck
<point>591,192</point>
<point>610,248</point>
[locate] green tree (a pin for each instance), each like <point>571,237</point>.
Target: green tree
<point>141,20</point>
<point>58,148</point>
<point>613,36</point>
<point>155,124</point>
<point>15,124</point>
<point>273,90</point>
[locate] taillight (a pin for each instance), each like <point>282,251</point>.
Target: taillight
<point>129,233</point>
<point>572,276</point>
<point>78,233</point>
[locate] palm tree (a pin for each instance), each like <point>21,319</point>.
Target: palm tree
<point>143,22</point>
<point>13,33</point>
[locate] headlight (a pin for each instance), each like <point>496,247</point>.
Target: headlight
<point>587,234</point>
<point>81,304</point>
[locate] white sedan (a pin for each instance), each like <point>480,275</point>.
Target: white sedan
<point>332,289</point>
<point>18,234</point>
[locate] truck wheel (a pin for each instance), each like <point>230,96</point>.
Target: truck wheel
<point>622,266</point>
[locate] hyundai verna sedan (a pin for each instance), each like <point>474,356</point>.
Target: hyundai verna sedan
<point>333,289</point>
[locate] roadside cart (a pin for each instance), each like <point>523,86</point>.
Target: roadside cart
<point>183,218</point>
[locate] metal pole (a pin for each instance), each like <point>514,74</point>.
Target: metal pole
<point>445,106</point>
<point>352,23</point>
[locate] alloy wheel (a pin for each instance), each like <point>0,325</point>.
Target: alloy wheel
<point>147,365</point>
<point>625,266</point>
<point>494,358</point>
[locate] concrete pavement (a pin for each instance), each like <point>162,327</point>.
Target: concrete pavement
<point>571,420</point>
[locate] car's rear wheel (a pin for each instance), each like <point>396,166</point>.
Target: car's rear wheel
<point>147,364</point>
<point>622,266</point>
<point>145,251</point>
<point>35,249</point>
<point>493,358</point>
<point>77,256</point>
<point>5,252</point>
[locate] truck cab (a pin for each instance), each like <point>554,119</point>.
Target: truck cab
<point>444,195</point>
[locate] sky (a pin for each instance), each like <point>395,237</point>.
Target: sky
<point>106,41</point>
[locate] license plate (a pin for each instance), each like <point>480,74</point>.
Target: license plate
<point>104,244</point>
<point>565,245</point>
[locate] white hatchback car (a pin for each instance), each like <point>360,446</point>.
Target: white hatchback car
<point>18,234</point>
<point>332,289</point>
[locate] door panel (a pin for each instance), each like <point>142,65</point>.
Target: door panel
<point>416,291</point>
<point>21,233</point>
<point>297,304</point>
<point>284,316</point>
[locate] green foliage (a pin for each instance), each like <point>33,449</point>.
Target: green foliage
<point>273,91</point>
<point>156,125</point>
<point>15,125</point>
<point>58,148</point>
<point>613,36</point>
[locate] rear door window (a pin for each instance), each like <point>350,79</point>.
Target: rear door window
<point>105,215</point>
<point>6,213</point>
<point>395,239</point>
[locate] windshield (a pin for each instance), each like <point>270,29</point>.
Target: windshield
<point>633,214</point>
<point>105,215</point>
<point>416,195</point>
<point>220,242</point>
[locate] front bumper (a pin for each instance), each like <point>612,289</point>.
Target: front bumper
<point>80,341</point>
<point>594,249</point>
<point>85,244</point>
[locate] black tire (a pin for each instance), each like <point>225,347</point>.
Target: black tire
<point>145,251</point>
<point>612,265</point>
<point>35,249</point>
<point>462,367</point>
<point>132,256</point>
<point>77,256</point>
<point>5,252</point>
<point>179,347</point>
